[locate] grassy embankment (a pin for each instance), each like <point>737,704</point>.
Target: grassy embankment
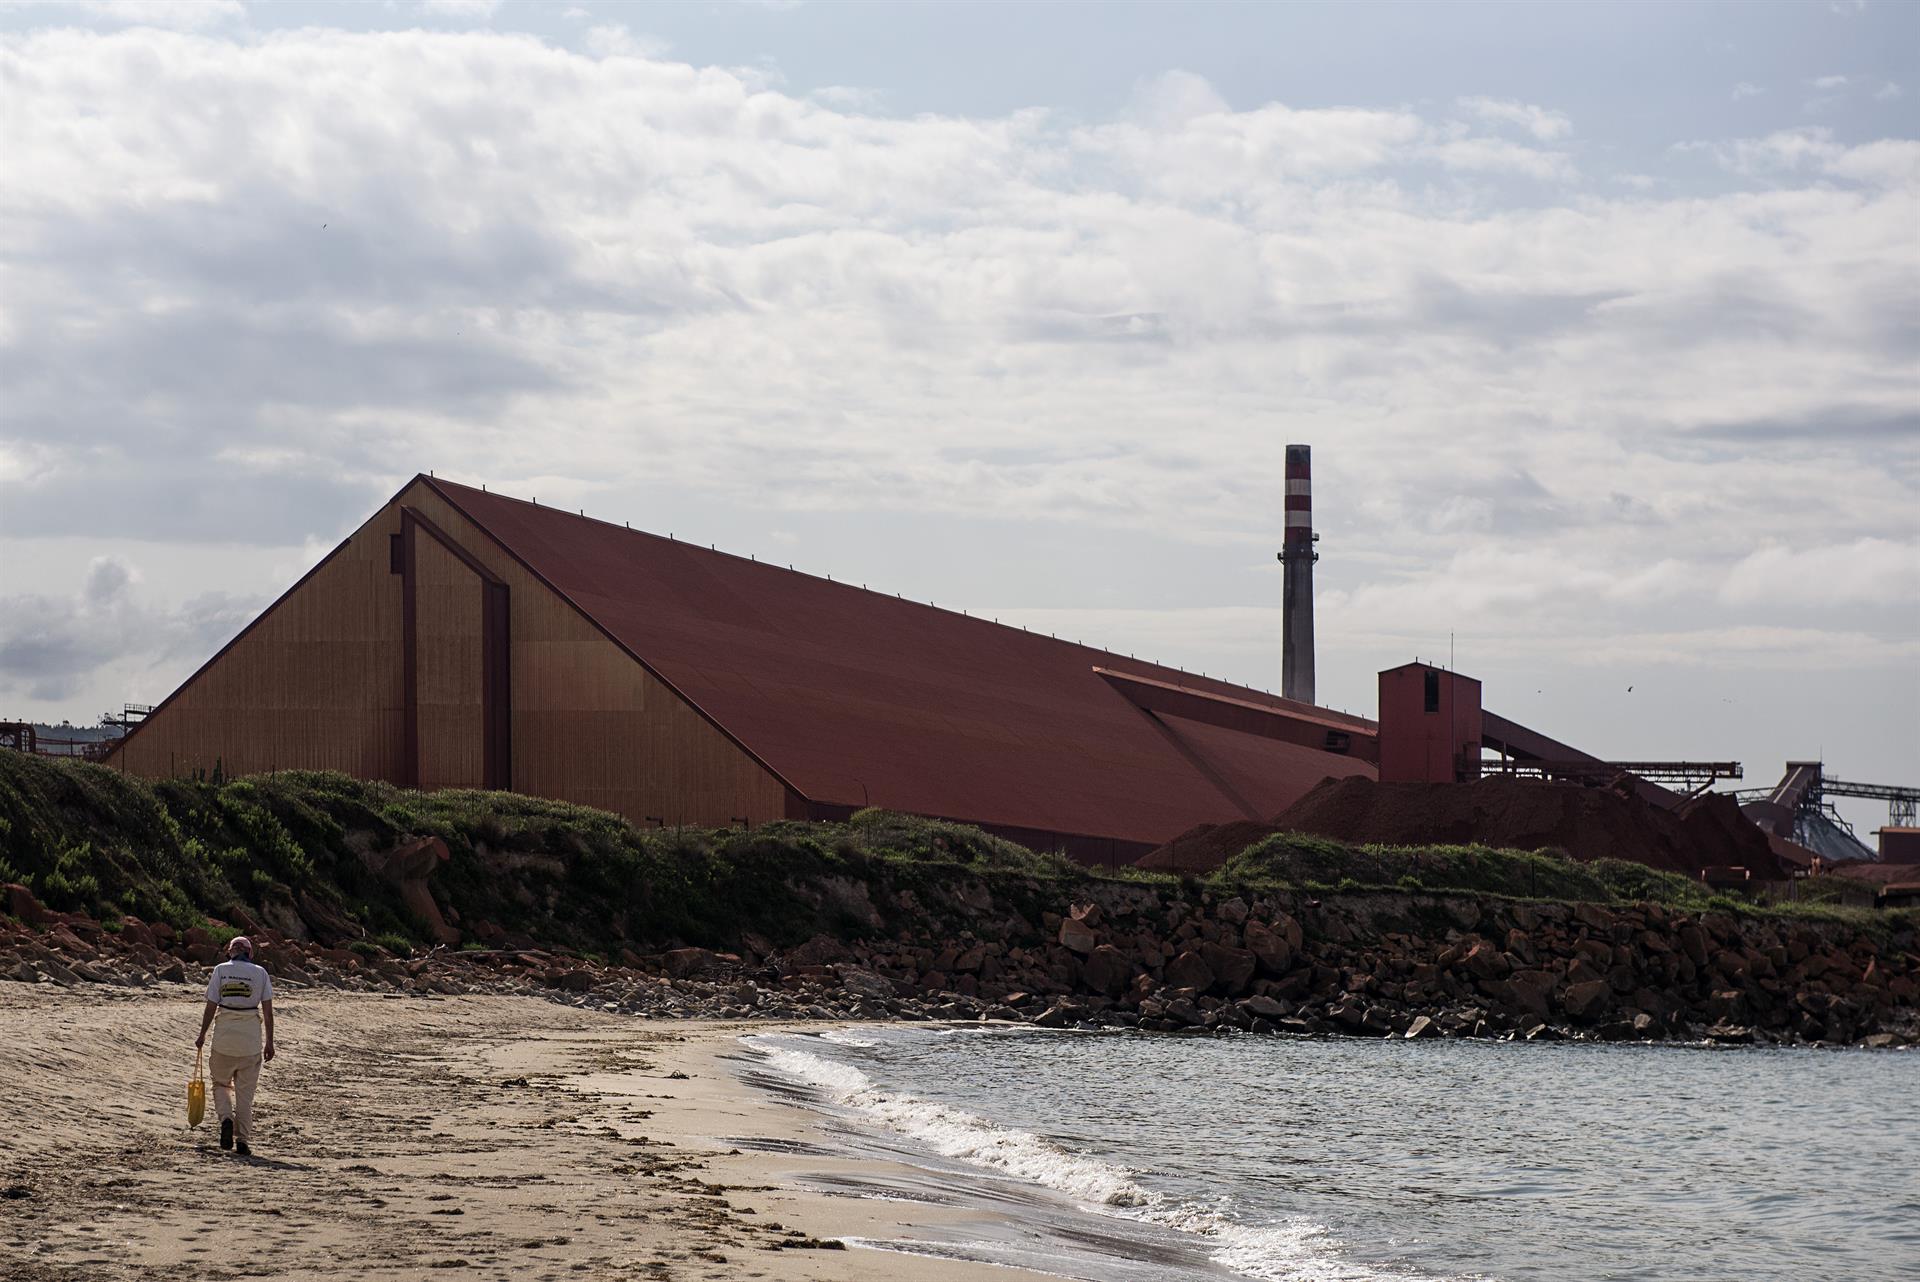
<point>87,838</point>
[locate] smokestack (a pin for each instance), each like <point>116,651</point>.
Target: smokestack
<point>1296,561</point>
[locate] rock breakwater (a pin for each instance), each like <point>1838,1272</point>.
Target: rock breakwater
<point>1167,958</point>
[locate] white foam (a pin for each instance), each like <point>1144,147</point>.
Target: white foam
<point>1295,1251</point>
<point>952,1132</point>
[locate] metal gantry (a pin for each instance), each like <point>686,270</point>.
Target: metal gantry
<point>1801,805</point>
<point>1902,803</point>
<point>1692,775</point>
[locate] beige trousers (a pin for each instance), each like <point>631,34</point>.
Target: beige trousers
<point>234,1079</point>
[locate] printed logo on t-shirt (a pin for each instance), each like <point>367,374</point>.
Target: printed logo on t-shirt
<point>236,988</point>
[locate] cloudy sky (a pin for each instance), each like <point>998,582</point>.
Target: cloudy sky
<point>1603,322</point>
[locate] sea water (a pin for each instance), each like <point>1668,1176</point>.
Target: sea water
<point>1120,1157</point>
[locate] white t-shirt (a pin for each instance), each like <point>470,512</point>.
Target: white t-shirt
<point>239,985</point>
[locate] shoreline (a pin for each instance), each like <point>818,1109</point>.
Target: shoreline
<point>497,1136</point>
<point>427,1137</point>
<point>1167,959</point>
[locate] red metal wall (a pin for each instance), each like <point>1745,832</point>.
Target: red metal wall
<point>1900,845</point>
<point>1429,722</point>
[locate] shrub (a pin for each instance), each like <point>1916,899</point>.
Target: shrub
<point>1303,860</point>
<point>87,838</point>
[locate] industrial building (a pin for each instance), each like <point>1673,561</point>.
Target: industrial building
<point>461,638</point>
<point>465,639</point>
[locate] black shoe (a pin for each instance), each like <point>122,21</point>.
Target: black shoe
<point>226,1132</point>
<point>242,1149</point>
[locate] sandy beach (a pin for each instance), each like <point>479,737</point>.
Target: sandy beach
<point>415,1137</point>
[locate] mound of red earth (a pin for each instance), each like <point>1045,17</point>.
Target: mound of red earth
<point>1587,823</point>
<point>1205,847</point>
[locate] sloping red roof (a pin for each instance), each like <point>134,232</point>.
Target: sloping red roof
<point>855,697</point>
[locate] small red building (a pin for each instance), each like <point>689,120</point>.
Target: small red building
<point>1430,725</point>
<point>1900,845</point>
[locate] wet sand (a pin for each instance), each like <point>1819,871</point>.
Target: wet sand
<point>429,1138</point>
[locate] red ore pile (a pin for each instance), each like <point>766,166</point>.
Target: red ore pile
<point>1205,847</point>
<point>1586,823</point>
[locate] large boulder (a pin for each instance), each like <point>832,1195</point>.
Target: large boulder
<point>1060,1015</point>
<point>406,867</point>
<point>1189,970</point>
<point>1524,991</point>
<point>1588,999</point>
<point>821,950</point>
<point>1184,1012</point>
<point>1269,948</point>
<point>1693,942</point>
<point>1232,967</point>
<point>1077,935</point>
<point>570,980</point>
<point>1484,961</point>
<point>683,963</point>
<point>1288,929</point>
<point>1106,970</point>
<point>22,904</point>
<point>859,982</point>
<point>133,931</point>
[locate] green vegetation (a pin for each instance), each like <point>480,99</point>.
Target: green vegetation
<point>294,845</point>
<point>303,849</point>
<point>1308,862</point>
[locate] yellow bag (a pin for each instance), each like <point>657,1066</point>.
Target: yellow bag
<point>196,1094</point>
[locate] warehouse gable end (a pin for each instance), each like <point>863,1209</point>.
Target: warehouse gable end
<point>485,677</point>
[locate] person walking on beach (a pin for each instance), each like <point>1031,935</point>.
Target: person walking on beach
<point>240,1011</point>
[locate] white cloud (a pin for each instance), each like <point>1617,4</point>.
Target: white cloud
<point>179,15</point>
<point>1888,162</point>
<point>1496,155</point>
<point>595,278</point>
<point>1784,149</point>
<point>50,646</point>
<point>1544,124</point>
<point>1176,98</point>
<point>1829,83</point>
<point>460,10</point>
<point>849,98</point>
<point>1755,647</point>
<point>1887,92</point>
<point>613,40</point>
<point>1867,571</point>
<point>1746,89</point>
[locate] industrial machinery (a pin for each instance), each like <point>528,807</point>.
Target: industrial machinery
<point>1800,808</point>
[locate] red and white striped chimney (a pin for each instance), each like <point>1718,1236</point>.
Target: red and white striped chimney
<point>1296,561</point>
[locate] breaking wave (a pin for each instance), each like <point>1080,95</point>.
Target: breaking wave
<point>1293,1251</point>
